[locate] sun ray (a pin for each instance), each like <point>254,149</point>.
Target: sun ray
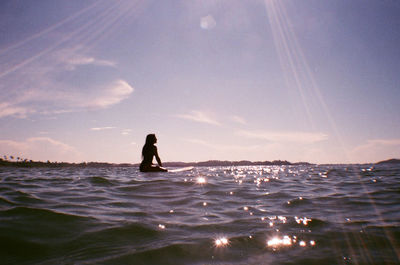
<point>302,62</point>
<point>130,11</point>
<point>50,48</point>
<point>298,72</point>
<point>94,26</point>
<point>101,26</point>
<point>51,28</point>
<point>311,79</point>
<point>286,56</point>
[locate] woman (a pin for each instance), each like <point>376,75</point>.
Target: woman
<point>149,150</point>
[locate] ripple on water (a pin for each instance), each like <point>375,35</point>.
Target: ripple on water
<point>97,180</point>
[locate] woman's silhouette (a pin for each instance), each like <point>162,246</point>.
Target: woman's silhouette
<point>148,152</point>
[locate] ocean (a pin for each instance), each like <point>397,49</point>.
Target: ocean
<point>303,214</point>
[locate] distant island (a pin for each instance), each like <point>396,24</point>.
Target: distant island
<point>389,161</point>
<point>219,163</point>
<point>31,163</point>
<point>17,162</point>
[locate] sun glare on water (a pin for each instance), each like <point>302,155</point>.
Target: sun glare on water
<point>277,242</point>
<point>222,241</point>
<point>201,180</point>
<point>287,241</point>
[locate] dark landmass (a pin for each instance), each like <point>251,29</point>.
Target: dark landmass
<point>210,163</point>
<point>389,161</point>
<point>31,163</point>
<point>219,163</point>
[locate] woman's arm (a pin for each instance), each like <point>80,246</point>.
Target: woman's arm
<point>157,157</point>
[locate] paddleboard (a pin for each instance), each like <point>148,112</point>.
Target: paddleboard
<point>180,169</point>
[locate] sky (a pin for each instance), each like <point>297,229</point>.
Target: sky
<point>257,80</point>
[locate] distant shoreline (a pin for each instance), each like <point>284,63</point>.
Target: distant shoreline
<point>209,163</point>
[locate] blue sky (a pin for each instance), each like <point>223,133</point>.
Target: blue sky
<point>311,80</point>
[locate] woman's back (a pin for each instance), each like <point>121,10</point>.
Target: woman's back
<point>148,153</point>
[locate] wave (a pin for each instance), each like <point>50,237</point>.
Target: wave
<point>5,202</point>
<point>156,254</point>
<point>20,197</point>
<point>38,215</point>
<point>299,201</point>
<point>96,180</point>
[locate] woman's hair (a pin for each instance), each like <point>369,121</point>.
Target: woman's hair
<point>150,140</point>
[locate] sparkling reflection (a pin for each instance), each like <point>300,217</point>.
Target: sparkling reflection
<point>303,220</point>
<point>286,241</point>
<point>278,242</point>
<point>201,180</point>
<point>222,241</point>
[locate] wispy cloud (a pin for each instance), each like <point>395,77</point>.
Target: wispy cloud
<point>110,95</point>
<point>54,85</point>
<point>222,146</point>
<point>102,128</point>
<point>73,62</point>
<point>238,119</point>
<point>71,58</point>
<point>388,142</point>
<point>51,149</point>
<point>126,131</point>
<point>7,109</point>
<point>299,137</point>
<point>199,116</point>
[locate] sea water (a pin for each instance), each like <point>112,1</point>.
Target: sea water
<point>334,214</point>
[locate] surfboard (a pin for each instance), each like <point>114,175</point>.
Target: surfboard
<point>180,169</point>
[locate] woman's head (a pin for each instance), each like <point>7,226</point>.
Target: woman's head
<point>151,139</point>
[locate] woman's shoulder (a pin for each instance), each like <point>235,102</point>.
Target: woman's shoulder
<point>151,148</point>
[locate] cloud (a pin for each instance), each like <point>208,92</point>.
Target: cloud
<point>207,22</point>
<point>7,109</point>
<point>299,137</point>
<point>71,58</point>
<point>73,62</point>
<point>126,131</point>
<point>54,85</point>
<point>199,116</point>
<point>238,119</point>
<point>40,148</point>
<point>105,128</point>
<point>111,95</point>
<point>222,147</point>
<point>101,128</point>
<point>375,150</point>
<point>386,142</point>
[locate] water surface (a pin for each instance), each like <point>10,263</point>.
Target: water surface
<point>342,214</point>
